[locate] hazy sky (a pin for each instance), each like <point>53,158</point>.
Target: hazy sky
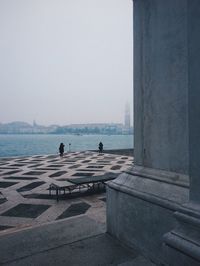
<point>65,61</point>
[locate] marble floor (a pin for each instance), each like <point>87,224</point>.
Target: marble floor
<point>24,183</point>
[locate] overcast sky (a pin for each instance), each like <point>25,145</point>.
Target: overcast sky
<point>65,61</point>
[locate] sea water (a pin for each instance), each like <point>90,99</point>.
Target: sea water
<point>37,144</point>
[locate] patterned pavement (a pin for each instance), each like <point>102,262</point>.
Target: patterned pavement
<point>24,183</point>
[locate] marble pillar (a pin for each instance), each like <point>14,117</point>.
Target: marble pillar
<point>182,244</point>
<point>150,206</point>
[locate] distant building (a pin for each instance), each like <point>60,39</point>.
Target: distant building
<point>91,128</point>
<point>34,123</point>
<point>127,120</point>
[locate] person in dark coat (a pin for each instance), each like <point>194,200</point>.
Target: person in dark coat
<point>100,147</point>
<point>61,149</point>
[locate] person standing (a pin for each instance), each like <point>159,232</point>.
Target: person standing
<point>100,147</point>
<point>61,149</point>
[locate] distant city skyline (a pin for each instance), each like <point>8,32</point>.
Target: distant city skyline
<point>17,127</point>
<point>65,62</point>
<point>126,121</point>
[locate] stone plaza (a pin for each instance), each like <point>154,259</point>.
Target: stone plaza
<point>36,229</point>
<point>24,187</point>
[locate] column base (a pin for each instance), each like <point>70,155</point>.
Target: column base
<point>182,244</point>
<point>140,207</point>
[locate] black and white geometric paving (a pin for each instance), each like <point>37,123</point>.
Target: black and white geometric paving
<point>24,187</point>
<point>26,210</point>
<point>74,210</point>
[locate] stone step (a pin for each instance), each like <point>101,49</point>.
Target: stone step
<point>45,237</point>
<point>138,261</point>
<point>76,241</point>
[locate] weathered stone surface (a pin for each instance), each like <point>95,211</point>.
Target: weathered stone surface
<point>140,211</point>
<point>141,203</point>
<point>160,85</point>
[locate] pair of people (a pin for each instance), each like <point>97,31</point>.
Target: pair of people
<point>61,148</point>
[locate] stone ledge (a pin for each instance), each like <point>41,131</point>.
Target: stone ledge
<point>184,240</point>
<point>151,190</point>
<point>160,175</point>
<point>177,244</point>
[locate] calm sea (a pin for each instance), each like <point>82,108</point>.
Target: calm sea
<point>23,145</point>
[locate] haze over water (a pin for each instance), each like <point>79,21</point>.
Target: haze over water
<point>64,62</point>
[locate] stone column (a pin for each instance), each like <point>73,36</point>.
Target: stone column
<point>183,242</point>
<point>194,98</point>
<point>141,202</point>
<point>160,87</point>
